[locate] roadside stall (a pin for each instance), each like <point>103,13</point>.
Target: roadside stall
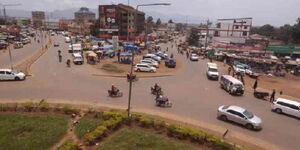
<point>91,57</point>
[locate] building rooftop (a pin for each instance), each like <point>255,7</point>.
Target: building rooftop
<point>84,10</point>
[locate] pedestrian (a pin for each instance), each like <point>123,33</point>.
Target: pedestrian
<point>59,58</point>
<point>255,85</point>
<point>229,70</point>
<point>272,98</point>
<point>187,54</point>
<point>167,49</point>
<point>59,52</point>
<point>178,50</point>
<point>242,79</point>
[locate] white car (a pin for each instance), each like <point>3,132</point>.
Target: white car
<point>144,68</point>
<point>153,56</point>
<point>287,107</point>
<point>239,115</point>
<point>239,68</point>
<point>151,63</point>
<point>8,74</point>
<point>212,71</point>
<point>194,57</point>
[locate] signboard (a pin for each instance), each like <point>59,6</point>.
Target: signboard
<point>115,42</point>
<point>110,30</point>
<point>108,19</point>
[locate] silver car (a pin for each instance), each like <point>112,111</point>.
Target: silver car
<point>239,115</point>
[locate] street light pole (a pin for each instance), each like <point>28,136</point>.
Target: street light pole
<point>128,22</point>
<point>132,51</point>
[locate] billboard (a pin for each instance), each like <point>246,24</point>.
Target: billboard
<point>108,19</point>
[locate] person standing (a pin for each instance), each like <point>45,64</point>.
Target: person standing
<point>229,70</point>
<point>272,98</point>
<point>255,85</point>
<point>59,58</point>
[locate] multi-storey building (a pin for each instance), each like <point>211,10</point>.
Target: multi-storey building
<point>38,18</point>
<point>84,15</point>
<point>119,20</point>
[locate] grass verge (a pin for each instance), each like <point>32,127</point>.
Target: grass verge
<point>137,139</point>
<point>30,132</point>
<point>86,125</point>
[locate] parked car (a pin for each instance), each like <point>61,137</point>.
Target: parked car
<point>152,60</point>
<point>77,59</point>
<point>161,55</point>
<point>170,62</point>
<point>231,85</point>
<point>144,68</point>
<point>153,56</point>
<point>239,69</point>
<point>144,61</point>
<point>239,115</point>
<point>286,106</point>
<point>194,57</point>
<point>8,74</point>
<point>212,71</point>
<point>56,44</point>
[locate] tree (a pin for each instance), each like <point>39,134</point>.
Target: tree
<point>193,39</point>
<point>170,21</point>
<point>158,22</point>
<point>266,30</point>
<point>284,33</point>
<point>149,20</point>
<point>296,32</point>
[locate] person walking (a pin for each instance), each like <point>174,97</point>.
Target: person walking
<point>272,98</point>
<point>59,58</point>
<point>229,70</point>
<point>255,85</point>
<point>187,54</point>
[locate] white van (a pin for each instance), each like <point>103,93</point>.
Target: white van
<point>285,106</point>
<point>67,40</point>
<point>231,85</point>
<point>77,59</point>
<point>75,48</point>
<point>212,71</point>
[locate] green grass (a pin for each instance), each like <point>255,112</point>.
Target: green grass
<point>85,125</point>
<point>68,145</point>
<point>30,132</point>
<point>137,139</point>
<point>112,68</point>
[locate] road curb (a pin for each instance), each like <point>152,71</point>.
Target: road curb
<point>124,76</point>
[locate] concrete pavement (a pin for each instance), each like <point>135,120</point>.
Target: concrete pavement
<point>193,96</point>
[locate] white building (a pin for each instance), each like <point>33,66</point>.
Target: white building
<point>235,30</point>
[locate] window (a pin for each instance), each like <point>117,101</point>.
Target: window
<point>2,72</point>
<point>282,104</point>
<point>245,33</point>
<point>245,27</point>
<point>232,112</point>
<point>294,107</point>
<point>7,72</point>
<point>240,115</point>
<point>236,27</point>
<point>216,33</point>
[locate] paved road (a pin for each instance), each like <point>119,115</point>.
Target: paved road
<point>193,96</point>
<point>19,55</point>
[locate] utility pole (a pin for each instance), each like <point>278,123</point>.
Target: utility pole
<point>128,23</point>
<point>207,32</point>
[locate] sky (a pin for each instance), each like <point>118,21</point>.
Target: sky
<point>275,12</point>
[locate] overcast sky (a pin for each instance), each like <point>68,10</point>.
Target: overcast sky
<point>275,12</point>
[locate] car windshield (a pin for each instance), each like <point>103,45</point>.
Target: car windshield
<point>248,114</point>
<point>213,70</point>
<point>15,71</point>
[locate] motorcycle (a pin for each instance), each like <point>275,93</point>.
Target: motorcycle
<point>133,78</point>
<point>115,94</point>
<point>157,91</point>
<point>163,101</point>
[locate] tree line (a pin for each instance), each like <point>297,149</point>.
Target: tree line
<point>289,34</point>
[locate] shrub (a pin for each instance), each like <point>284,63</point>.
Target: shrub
<point>68,145</point>
<point>70,110</point>
<point>98,114</point>
<point>171,129</point>
<point>113,114</point>
<point>158,124</point>
<point>219,144</point>
<point>44,106</point>
<point>198,136</point>
<point>4,107</point>
<point>29,106</point>
<point>96,134</point>
<point>146,121</point>
<point>113,123</point>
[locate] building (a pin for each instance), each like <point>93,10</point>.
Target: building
<point>38,18</point>
<point>235,30</point>
<point>119,20</point>
<point>84,15</point>
<point>51,24</point>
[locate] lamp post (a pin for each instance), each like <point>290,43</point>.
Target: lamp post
<point>132,50</point>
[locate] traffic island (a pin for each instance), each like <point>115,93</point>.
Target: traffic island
<point>111,68</point>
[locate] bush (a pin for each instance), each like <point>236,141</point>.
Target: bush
<point>146,121</point>
<point>98,133</point>
<point>158,124</point>
<point>4,107</point>
<point>70,110</point>
<point>113,123</point>
<point>171,130</point>
<point>29,106</point>
<point>198,136</point>
<point>44,106</point>
<point>219,144</point>
<point>113,114</point>
<point>68,145</point>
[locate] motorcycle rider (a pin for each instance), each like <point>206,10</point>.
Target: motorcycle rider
<point>156,87</point>
<point>114,90</point>
<point>69,63</point>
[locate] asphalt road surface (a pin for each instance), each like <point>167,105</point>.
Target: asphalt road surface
<point>192,94</point>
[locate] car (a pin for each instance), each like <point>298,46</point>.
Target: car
<point>239,115</point>
<point>286,106</point>
<point>77,59</point>
<point>9,74</point>
<point>18,45</point>
<point>153,56</point>
<point>231,85</point>
<point>161,55</point>
<point>144,67</point>
<point>150,63</point>
<point>239,69</point>
<point>170,62</point>
<point>194,57</point>
<point>56,44</point>
<point>212,71</point>
<point>52,33</point>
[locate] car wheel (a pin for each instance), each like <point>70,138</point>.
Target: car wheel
<point>17,78</point>
<point>277,110</point>
<point>152,71</point>
<point>249,126</point>
<point>138,70</point>
<point>224,118</point>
